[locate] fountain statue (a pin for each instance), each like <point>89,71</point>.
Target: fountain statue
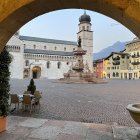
<point>78,72</point>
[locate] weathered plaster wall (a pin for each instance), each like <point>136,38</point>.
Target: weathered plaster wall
<point>15,13</point>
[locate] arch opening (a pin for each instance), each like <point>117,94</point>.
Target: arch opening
<point>125,12</point>
<point>36,72</point>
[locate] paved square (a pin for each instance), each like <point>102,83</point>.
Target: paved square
<point>32,122</point>
<point>92,103</point>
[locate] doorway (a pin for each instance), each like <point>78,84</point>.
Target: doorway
<point>130,75</point>
<point>36,72</point>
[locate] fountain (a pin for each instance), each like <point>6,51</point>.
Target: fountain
<point>134,110</point>
<point>80,73</point>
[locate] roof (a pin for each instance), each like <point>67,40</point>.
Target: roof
<point>122,50</point>
<point>98,61</point>
<point>119,53</point>
<point>84,18</point>
<point>134,41</point>
<point>37,39</point>
<point>35,51</point>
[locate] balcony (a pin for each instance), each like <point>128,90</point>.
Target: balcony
<point>135,63</point>
<point>116,58</point>
<point>116,63</point>
<point>135,56</point>
<point>123,56</point>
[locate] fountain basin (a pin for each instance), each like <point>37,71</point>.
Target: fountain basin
<point>134,110</point>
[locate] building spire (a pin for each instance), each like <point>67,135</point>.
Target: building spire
<point>84,12</point>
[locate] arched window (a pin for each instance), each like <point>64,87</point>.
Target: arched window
<point>83,27</point>
<point>45,47</point>
<point>27,63</point>
<point>48,64</point>
<point>34,46</point>
<point>64,49</point>
<point>67,63</point>
<point>59,65</point>
<point>24,46</point>
<point>55,48</point>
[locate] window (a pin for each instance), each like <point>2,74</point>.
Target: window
<point>59,65</point>
<point>48,64</point>
<point>24,46</point>
<point>83,27</point>
<point>67,63</point>
<point>34,46</point>
<point>55,48</point>
<point>64,49</point>
<point>87,28</point>
<point>27,63</point>
<point>45,47</point>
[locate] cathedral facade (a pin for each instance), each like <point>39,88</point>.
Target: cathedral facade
<point>34,57</point>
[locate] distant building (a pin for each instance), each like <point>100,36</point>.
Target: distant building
<point>116,65</point>
<point>122,65</point>
<point>48,58</point>
<point>133,49</point>
<point>98,67</point>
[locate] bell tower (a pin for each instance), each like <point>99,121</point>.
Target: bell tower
<point>86,36</point>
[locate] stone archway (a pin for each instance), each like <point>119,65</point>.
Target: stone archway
<point>36,72</point>
<point>14,14</point>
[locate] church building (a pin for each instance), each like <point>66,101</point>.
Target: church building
<point>34,57</point>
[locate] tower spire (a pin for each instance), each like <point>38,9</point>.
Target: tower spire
<point>84,12</point>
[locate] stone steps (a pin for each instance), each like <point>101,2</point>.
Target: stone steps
<point>21,128</point>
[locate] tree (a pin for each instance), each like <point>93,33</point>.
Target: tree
<point>5,60</point>
<point>31,86</point>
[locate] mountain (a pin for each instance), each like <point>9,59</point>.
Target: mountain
<point>116,47</point>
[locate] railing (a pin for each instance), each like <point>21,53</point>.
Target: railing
<point>135,56</point>
<point>135,63</point>
<point>116,58</point>
<point>116,63</point>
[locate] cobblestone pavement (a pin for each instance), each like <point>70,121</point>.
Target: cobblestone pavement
<point>92,103</point>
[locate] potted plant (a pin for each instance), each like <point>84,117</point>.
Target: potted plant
<point>5,60</point>
<point>31,87</point>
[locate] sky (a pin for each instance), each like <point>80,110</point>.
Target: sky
<point>63,25</point>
